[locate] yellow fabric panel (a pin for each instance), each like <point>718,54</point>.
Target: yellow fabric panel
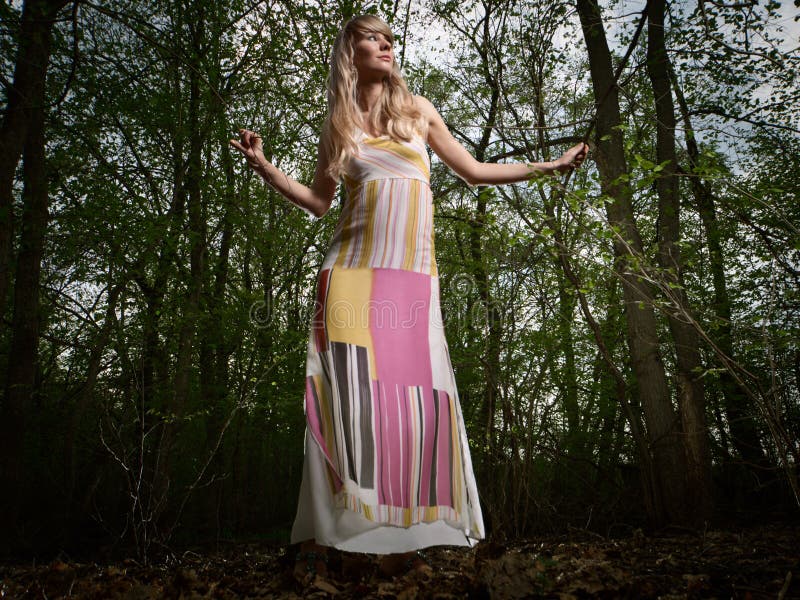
<point>347,311</point>
<point>369,229</point>
<point>411,225</point>
<point>457,481</point>
<point>347,233</point>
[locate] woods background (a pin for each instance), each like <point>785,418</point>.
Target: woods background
<point>626,348</point>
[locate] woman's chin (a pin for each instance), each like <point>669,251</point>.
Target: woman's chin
<point>374,75</point>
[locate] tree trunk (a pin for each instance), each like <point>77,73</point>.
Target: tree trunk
<point>176,405</point>
<point>86,391</point>
<point>568,376</point>
<point>215,341</point>
<point>662,424</point>
<point>23,130</point>
<point>479,271</point>
<point>691,393</point>
<point>26,97</point>
<point>744,434</point>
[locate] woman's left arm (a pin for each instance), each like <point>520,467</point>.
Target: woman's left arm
<point>458,158</point>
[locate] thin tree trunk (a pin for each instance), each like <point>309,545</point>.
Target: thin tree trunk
<point>691,393</point>
<point>86,391</point>
<point>479,271</point>
<point>197,248</point>
<point>569,378</point>
<point>154,376</point>
<point>217,341</point>
<point>744,434</point>
<point>155,381</point>
<point>654,396</point>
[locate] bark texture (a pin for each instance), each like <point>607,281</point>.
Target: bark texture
<point>669,463</point>
<point>690,389</point>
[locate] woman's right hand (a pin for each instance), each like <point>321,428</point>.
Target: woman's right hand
<point>315,200</point>
<point>250,146</point>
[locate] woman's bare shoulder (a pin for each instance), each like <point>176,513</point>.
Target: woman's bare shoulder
<point>424,105</point>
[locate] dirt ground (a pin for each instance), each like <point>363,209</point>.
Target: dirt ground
<point>753,562</point>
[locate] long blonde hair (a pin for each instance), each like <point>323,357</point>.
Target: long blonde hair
<point>396,113</point>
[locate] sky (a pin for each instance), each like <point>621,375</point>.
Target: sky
<point>425,40</point>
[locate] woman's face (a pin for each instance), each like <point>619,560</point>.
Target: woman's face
<point>373,56</point>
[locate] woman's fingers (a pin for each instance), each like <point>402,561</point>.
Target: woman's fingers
<point>248,141</point>
<point>249,154</point>
<point>249,138</point>
<point>581,150</point>
<point>249,145</point>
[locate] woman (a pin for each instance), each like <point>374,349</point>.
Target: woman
<point>387,467</point>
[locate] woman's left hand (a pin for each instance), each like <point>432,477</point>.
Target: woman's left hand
<point>572,158</point>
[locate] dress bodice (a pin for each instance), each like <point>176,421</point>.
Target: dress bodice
<point>383,158</point>
<point>387,214</point>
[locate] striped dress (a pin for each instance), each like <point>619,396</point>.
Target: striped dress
<point>387,466</point>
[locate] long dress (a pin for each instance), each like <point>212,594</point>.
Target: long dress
<point>387,466</point>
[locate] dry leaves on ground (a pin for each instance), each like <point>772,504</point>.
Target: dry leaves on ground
<point>760,562</point>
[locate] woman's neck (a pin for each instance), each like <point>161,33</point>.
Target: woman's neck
<point>368,95</point>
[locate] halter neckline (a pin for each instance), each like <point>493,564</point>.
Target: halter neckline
<point>385,136</point>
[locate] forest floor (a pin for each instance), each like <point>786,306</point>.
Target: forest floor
<point>753,562</point>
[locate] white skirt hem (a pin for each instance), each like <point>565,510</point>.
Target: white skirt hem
<point>318,519</point>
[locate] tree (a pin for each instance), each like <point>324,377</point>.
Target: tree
<point>23,132</point>
<point>669,492</point>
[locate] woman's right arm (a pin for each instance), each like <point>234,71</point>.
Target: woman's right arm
<point>315,200</point>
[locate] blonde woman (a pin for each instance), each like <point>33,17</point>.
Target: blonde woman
<point>387,467</point>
